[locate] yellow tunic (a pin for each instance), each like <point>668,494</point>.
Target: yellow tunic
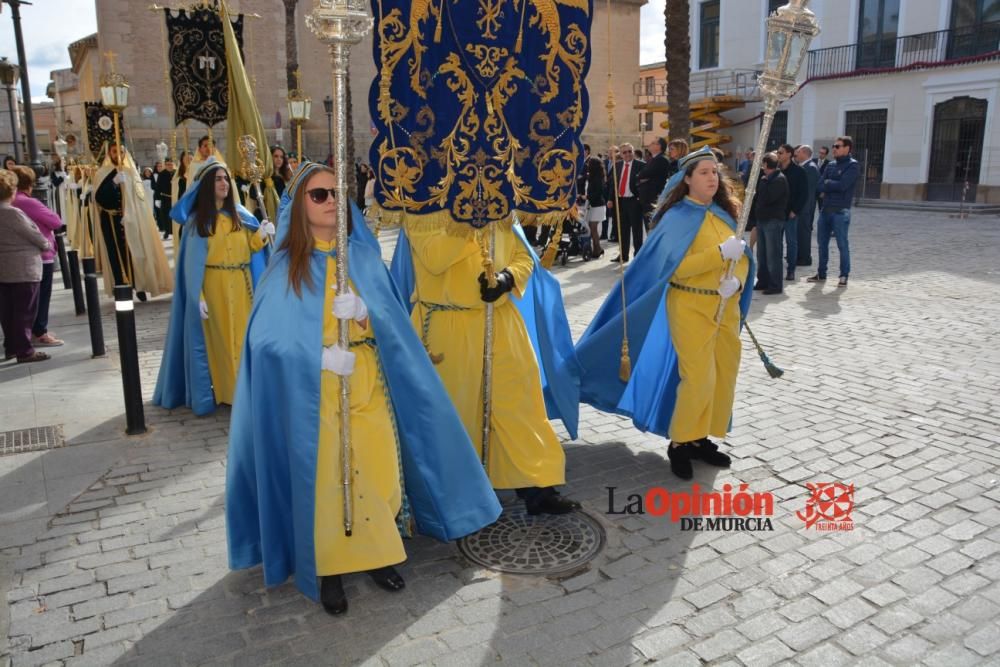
<point>708,355</point>
<point>228,291</point>
<point>524,450</point>
<point>375,541</point>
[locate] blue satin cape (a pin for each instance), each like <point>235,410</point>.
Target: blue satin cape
<point>184,377</point>
<point>544,316</point>
<point>271,469</point>
<point>651,392</point>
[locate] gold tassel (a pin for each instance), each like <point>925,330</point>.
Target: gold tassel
<point>625,368</point>
<point>437,30</point>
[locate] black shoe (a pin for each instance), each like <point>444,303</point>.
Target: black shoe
<point>816,279</point>
<point>804,262</point>
<point>707,451</point>
<point>387,578</point>
<point>771,291</point>
<point>842,282</point>
<point>759,287</point>
<point>141,296</point>
<point>550,502</point>
<point>618,258</point>
<point>790,276</point>
<point>680,460</point>
<point>331,594</point>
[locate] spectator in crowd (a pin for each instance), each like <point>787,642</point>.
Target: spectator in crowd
<point>744,167</point>
<point>822,160</point>
<point>770,208</point>
<point>629,208</point>
<point>9,163</point>
<point>21,245</point>
<point>48,223</point>
<point>798,190</point>
<point>609,191</point>
<point>803,155</point>
<point>596,203</point>
<point>676,149</point>
<point>163,199</point>
<point>282,172</point>
<point>652,178</point>
<point>837,185</point>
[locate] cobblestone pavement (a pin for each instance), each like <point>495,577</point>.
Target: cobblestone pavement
<point>890,384</point>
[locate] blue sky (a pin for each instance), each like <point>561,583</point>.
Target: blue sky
<point>49,26</point>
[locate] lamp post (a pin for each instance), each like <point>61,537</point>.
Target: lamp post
<point>789,31</point>
<point>9,73</point>
<point>114,95</point>
<point>29,120</point>
<point>341,24</point>
<point>328,107</point>
<point>299,109</point>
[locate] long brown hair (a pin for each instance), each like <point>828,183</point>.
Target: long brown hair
<point>205,210</point>
<point>182,168</point>
<point>724,196</point>
<point>299,241</point>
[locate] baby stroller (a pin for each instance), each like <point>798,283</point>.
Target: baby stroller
<point>575,237</point>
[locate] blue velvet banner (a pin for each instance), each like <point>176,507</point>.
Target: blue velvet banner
<point>478,107</point>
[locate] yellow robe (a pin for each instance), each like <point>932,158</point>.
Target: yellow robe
<point>377,492</point>
<point>228,291</point>
<point>708,355</point>
<point>524,450</point>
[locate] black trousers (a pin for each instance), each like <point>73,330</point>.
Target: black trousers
<point>632,228</point>
<point>114,241</point>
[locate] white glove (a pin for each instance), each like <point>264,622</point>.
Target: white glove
<point>203,309</point>
<point>156,203</point>
<point>338,360</point>
<point>732,248</point>
<point>349,306</point>
<point>74,186</point>
<point>62,174</point>
<point>83,196</point>
<point>266,228</point>
<point>120,178</point>
<point>729,287</point>
<point>245,189</point>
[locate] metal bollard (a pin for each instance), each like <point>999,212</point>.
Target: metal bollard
<point>93,308</point>
<point>128,348</point>
<point>73,258</point>
<point>63,266</point>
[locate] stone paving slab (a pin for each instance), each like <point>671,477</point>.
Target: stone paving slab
<point>890,385</point>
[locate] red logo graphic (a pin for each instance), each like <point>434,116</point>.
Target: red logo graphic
<point>829,506</point>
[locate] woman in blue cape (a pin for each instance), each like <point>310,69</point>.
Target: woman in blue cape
<point>413,463</point>
<point>684,364</point>
<point>221,255</point>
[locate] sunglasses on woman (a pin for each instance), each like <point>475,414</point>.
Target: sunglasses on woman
<point>320,195</point>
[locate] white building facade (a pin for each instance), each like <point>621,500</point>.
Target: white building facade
<point>914,82</point>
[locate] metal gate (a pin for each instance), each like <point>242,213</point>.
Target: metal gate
<point>867,130</point>
<point>956,149</point>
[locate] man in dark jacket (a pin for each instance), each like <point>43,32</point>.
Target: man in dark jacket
<point>162,200</point>
<point>837,185</point>
<point>770,205</point>
<point>798,191</point>
<point>803,155</point>
<point>653,176</point>
<point>626,194</point>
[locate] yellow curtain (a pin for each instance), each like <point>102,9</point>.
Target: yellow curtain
<point>244,118</point>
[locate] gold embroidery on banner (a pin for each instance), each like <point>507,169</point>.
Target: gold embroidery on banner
<point>489,58</point>
<point>490,13</point>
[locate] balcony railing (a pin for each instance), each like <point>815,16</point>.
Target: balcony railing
<point>740,83</point>
<point>924,49</point>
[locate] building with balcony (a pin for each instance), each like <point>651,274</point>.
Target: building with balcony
<point>913,82</point>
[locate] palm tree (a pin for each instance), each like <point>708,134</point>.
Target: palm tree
<point>291,44</point>
<point>677,16</point>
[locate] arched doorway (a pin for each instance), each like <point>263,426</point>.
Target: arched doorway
<point>956,149</point>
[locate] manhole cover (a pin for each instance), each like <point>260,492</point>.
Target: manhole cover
<point>31,440</point>
<point>523,544</point>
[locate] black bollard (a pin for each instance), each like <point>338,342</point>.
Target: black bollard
<point>128,348</point>
<point>63,265</point>
<point>93,307</point>
<point>73,258</point>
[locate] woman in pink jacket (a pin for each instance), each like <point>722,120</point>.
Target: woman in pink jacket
<point>47,222</point>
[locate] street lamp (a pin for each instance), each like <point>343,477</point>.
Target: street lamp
<point>299,109</point>
<point>789,31</point>
<point>162,151</point>
<point>114,95</point>
<point>9,73</point>
<point>328,107</point>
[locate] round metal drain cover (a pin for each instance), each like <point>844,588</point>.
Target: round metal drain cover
<point>523,544</point>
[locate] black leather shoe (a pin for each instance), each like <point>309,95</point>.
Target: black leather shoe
<point>804,262</point>
<point>816,279</point>
<point>707,451</point>
<point>550,502</point>
<point>772,291</point>
<point>790,276</point>
<point>680,460</point>
<point>141,296</point>
<point>331,594</point>
<point>387,578</point>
